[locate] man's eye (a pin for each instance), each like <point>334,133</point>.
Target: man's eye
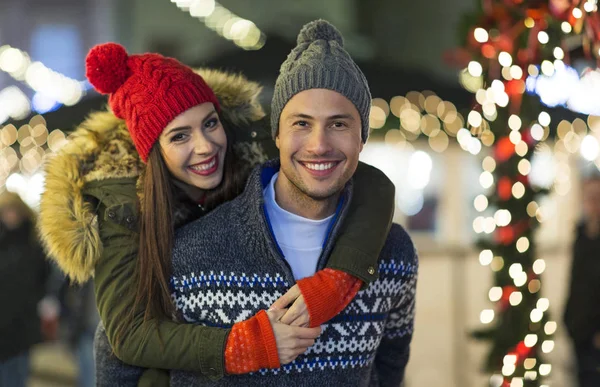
<point>301,123</point>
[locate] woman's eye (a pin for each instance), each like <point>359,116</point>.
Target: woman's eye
<point>178,137</point>
<point>212,123</point>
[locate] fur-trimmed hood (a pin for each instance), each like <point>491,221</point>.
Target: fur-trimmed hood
<point>101,148</point>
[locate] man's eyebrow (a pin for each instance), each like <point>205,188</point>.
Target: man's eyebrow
<point>300,115</point>
<point>341,117</point>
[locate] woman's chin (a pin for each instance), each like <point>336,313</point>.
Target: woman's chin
<point>206,183</point>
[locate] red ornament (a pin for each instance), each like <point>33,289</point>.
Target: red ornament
<point>504,43</point>
<point>504,149</point>
<point>514,88</point>
<point>488,51</point>
<point>504,188</point>
<point>505,235</point>
<point>522,351</point>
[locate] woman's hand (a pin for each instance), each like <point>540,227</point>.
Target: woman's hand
<point>297,314</point>
<point>292,341</point>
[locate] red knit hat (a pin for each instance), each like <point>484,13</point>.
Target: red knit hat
<point>148,91</point>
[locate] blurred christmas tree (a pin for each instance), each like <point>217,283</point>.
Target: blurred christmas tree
<point>508,45</point>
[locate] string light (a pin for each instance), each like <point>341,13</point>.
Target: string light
<point>40,78</point>
<point>242,32</point>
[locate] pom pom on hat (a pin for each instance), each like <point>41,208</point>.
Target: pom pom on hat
<point>106,67</point>
<point>319,30</point>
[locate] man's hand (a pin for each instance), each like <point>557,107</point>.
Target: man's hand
<point>292,341</point>
<point>297,314</point>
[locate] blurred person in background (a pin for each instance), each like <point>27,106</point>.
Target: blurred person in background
<point>27,317</point>
<point>80,318</point>
<point>582,312</point>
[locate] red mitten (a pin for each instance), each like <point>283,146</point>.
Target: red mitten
<point>251,346</point>
<point>327,293</point>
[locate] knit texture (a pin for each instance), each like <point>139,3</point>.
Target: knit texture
<point>327,293</point>
<point>227,266</point>
<point>148,91</point>
<point>319,61</point>
<point>251,345</point>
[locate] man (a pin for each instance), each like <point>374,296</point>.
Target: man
<point>582,315</point>
<point>281,229</point>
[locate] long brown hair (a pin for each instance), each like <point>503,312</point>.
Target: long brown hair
<point>156,230</point>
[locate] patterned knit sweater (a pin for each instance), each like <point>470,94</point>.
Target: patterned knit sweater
<point>227,266</point>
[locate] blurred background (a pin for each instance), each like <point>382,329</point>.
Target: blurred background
<point>476,141</point>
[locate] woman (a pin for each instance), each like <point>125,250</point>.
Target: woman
<point>180,157</point>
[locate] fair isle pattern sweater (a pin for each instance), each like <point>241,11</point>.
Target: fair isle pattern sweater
<point>227,266</point>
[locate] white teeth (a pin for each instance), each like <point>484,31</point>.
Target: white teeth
<point>204,167</point>
<point>319,167</point>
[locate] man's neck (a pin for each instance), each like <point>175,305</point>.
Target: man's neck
<point>291,199</point>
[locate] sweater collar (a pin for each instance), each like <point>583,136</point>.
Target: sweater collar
<point>253,201</point>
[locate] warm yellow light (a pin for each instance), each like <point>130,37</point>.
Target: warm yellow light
<point>521,148</point>
<point>547,68</point>
<point>529,363</point>
<point>530,340</point>
<point>516,382</point>
<point>533,70</point>
<point>497,264</point>
<point>536,315</point>
<point>478,223</point>
<point>516,72</point>
<point>486,316</point>
<point>529,22</point>
<point>559,53</point>
<point>566,27</point>
<point>547,346</point>
<point>518,190</point>
<point>543,304</point>
<point>522,244</point>
<point>502,218</point>
<point>539,266</point>
<point>515,137</point>
<point>508,369</point>
<point>486,179</point>
<point>534,286</point>
<point>544,119</point>
<point>524,167</point>
<point>532,208</point>
<point>495,293</point>
<point>537,132</point>
<point>480,203</point>
<point>489,164</point>
<point>550,327</point>
<point>515,298</point>
<point>505,59</point>
<point>474,68</point>
<point>481,35</point>
<point>514,122</point>
<point>545,368</point>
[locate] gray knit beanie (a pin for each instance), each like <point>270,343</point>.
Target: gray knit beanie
<point>319,61</point>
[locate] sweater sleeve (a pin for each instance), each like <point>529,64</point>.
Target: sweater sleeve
<point>393,352</point>
<point>365,229</point>
<point>327,293</point>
